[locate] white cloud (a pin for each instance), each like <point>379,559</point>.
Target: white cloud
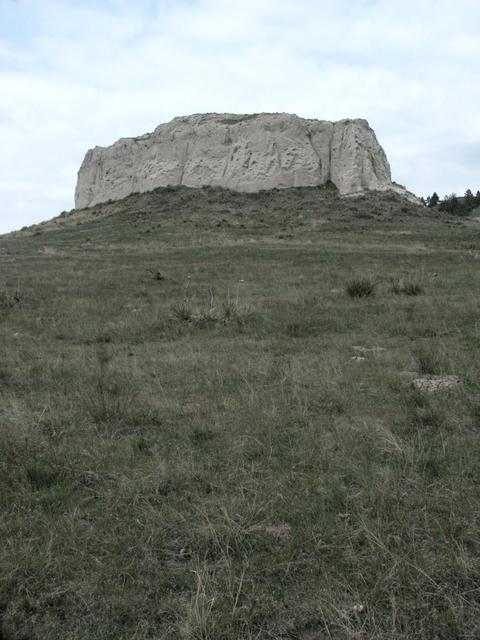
<point>73,75</point>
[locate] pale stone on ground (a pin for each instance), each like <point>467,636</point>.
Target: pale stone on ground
<point>239,152</point>
<point>364,350</point>
<point>431,384</point>
<point>279,531</point>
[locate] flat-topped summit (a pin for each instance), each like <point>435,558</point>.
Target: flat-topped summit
<point>246,152</point>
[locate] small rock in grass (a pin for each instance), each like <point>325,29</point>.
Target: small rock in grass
<point>280,532</point>
<point>364,350</point>
<point>432,384</point>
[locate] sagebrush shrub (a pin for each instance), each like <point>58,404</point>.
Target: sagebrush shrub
<point>360,288</point>
<point>9,297</point>
<point>400,285</point>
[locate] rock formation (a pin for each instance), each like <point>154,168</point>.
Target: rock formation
<point>239,152</point>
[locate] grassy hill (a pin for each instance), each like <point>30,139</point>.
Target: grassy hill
<point>207,432</point>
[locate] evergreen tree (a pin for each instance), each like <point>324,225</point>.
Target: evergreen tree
<point>450,204</point>
<point>469,201</point>
<point>433,200</point>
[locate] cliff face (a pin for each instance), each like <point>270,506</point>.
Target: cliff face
<point>239,152</point>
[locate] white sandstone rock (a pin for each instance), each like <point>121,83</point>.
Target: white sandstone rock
<point>239,152</point>
<point>432,384</point>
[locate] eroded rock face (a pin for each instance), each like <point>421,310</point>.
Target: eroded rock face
<point>239,152</point>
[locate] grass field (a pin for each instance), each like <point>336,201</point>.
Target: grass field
<point>209,428</point>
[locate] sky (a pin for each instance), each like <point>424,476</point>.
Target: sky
<point>80,73</point>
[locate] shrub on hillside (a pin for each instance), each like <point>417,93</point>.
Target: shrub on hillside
<point>9,297</point>
<point>360,288</point>
<point>409,287</point>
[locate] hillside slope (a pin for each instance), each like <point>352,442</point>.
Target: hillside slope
<point>213,206</point>
<point>204,436</point>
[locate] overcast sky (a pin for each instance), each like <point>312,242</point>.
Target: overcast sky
<point>80,73</point>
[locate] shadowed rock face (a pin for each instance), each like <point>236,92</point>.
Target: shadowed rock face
<point>239,152</point>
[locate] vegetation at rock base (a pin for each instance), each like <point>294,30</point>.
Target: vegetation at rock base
<point>191,445</point>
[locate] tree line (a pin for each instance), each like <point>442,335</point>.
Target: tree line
<point>457,205</point>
